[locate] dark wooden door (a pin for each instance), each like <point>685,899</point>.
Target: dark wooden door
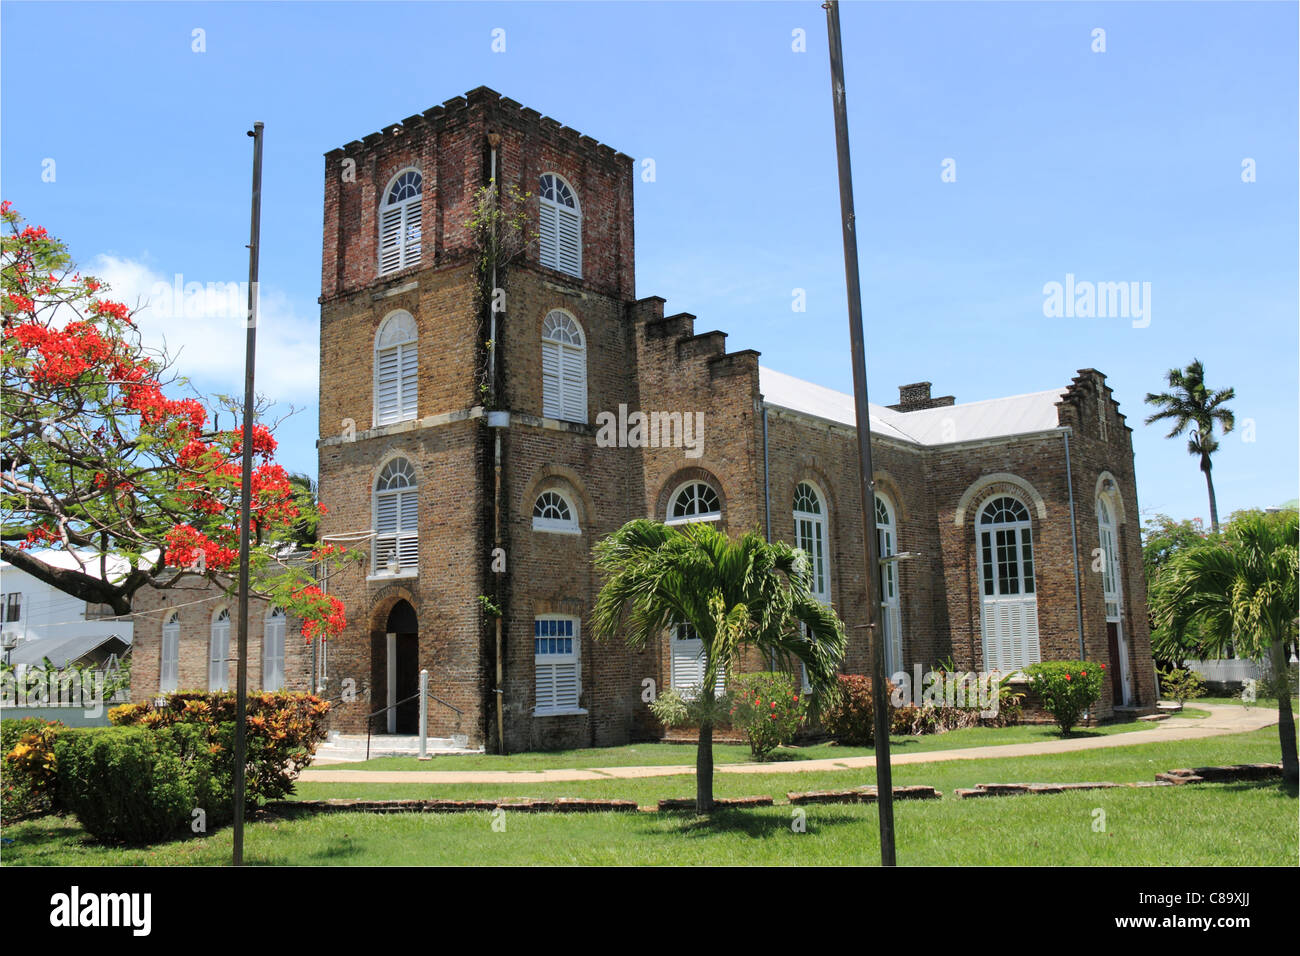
<point>408,683</point>
<point>1116,682</point>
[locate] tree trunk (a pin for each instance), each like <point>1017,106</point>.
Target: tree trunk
<point>1285,719</point>
<point>1214,507</point>
<point>704,770</point>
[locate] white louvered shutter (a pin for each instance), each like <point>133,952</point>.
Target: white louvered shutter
<point>552,406</point>
<point>411,230</point>
<point>219,650</point>
<point>409,368</point>
<point>573,383</point>
<point>390,240</point>
<point>386,507</point>
<point>548,236</point>
<point>569,242</point>
<point>409,546</point>
<point>169,672</point>
<point>388,386</point>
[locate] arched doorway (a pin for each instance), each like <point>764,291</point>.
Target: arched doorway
<point>402,669</point>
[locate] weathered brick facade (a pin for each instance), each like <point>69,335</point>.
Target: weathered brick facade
<point>473,499</point>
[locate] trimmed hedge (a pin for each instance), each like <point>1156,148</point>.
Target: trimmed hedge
<point>135,784</point>
<point>1066,688</point>
<point>284,730</point>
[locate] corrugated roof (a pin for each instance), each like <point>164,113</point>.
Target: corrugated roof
<point>972,421</point>
<point>60,650</point>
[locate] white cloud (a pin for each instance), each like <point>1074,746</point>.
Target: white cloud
<point>202,329</point>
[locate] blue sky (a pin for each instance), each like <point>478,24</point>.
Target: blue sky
<point>1115,166</point>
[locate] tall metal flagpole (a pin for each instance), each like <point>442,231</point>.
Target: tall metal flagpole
<point>884,777</point>
<point>246,491</point>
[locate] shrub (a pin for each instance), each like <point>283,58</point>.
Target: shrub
<point>284,730</point>
<point>1181,685</point>
<point>850,718</point>
<point>768,708</point>
<point>137,784</point>
<point>1066,688</point>
<point>27,745</point>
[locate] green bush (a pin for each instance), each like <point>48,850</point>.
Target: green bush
<point>27,746</point>
<point>768,708</point>
<point>284,730</point>
<point>1181,685</point>
<point>137,784</point>
<point>1066,688</point>
<point>850,718</point>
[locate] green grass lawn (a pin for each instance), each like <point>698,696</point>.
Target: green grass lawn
<point>670,754</point>
<point>1207,824</point>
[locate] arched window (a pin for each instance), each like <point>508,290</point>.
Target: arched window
<point>169,667</point>
<point>810,536</point>
<point>219,652</point>
<point>396,369</point>
<point>564,368</point>
<point>273,650</point>
<point>694,501</point>
<point>560,227</point>
<point>553,512</point>
<point>399,222</point>
<point>397,543</point>
<point>890,611</point>
<point>1009,606</point>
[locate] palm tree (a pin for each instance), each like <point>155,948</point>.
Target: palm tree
<point>737,594</point>
<point>1190,403</point>
<point>1241,591</point>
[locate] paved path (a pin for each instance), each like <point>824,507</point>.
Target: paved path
<point>1223,719</point>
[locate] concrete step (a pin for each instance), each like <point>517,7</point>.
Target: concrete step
<point>350,748</point>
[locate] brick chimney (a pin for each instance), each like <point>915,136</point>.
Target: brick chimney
<point>914,397</point>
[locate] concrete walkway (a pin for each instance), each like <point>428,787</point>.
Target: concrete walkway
<point>1223,719</point>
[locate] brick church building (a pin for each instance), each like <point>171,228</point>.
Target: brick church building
<point>467,452</point>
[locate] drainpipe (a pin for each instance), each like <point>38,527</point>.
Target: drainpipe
<point>1074,543</point>
<point>494,140</point>
<point>767,490</point>
<point>767,499</point>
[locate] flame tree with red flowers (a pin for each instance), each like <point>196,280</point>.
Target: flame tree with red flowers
<point>96,460</point>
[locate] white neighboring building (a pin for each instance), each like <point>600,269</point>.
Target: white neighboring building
<point>31,610</point>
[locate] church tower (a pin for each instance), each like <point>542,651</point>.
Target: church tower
<point>457,446</point>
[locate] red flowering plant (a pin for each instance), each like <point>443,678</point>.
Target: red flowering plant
<point>1066,688</point>
<point>769,708</point>
<point>99,459</point>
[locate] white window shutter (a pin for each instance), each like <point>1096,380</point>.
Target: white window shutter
<point>565,678</point>
<point>411,233</point>
<point>573,383</point>
<point>552,406</point>
<point>569,242</point>
<point>390,240</point>
<point>409,377</point>
<point>387,386</point>
<point>548,236</point>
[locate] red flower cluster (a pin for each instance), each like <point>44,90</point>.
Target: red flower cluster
<point>185,544</point>
<point>327,619</point>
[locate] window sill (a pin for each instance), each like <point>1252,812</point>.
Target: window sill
<point>563,712</point>
<point>569,531</point>
<point>403,576</point>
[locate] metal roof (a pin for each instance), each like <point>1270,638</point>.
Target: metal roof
<point>972,421</point>
<point>60,650</point>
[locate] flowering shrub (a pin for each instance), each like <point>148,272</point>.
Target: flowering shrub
<point>768,708</point>
<point>284,730</point>
<point>29,767</point>
<point>1066,688</point>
